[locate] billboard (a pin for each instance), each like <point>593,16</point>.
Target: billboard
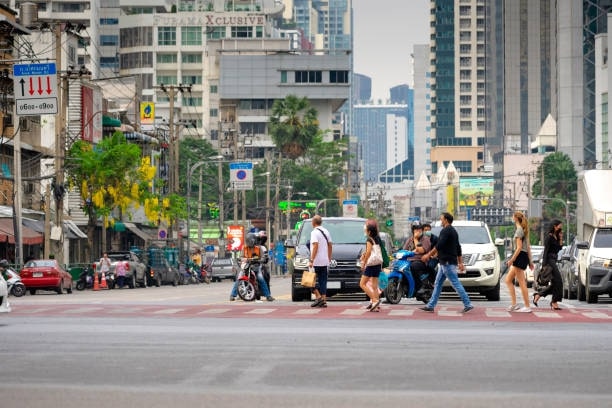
<point>235,237</point>
<point>147,113</point>
<point>91,114</point>
<point>475,191</point>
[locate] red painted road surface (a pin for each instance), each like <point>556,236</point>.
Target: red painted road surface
<point>303,311</point>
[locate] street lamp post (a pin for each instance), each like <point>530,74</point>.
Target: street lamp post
<point>190,170</point>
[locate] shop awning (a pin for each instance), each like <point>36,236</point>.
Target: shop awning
<point>108,121</point>
<point>141,137</point>
<point>71,229</point>
<point>29,236</point>
<point>133,228</point>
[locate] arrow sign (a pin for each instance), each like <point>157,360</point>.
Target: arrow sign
<point>35,89</point>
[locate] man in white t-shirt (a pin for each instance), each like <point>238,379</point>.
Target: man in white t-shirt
<point>320,256</point>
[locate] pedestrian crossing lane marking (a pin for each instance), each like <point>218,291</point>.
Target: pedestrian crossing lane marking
<point>168,311</point>
<point>215,311</point>
<point>597,315</point>
<point>260,311</point>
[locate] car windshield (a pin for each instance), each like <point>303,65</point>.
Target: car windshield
<point>38,264</point>
<point>345,231</point>
<point>603,239</point>
<point>468,234</point>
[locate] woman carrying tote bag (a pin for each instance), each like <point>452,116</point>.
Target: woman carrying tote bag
<point>371,265</point>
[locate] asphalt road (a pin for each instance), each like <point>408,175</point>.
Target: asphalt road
<point>165,360</point>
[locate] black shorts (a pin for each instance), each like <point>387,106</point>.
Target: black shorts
<point>521,261</point>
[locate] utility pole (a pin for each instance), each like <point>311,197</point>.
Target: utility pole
<point>60,124</point>
<point>173,152</point>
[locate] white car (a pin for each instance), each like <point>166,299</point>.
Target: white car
<point>4,303</point>
<point>480,257</point>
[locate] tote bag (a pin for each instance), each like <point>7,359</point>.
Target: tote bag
<point>375,256</point>
<point>309,278</point>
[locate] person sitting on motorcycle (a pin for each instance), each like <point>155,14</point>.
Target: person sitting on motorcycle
<point>420,244</point>
<point>263,276</point>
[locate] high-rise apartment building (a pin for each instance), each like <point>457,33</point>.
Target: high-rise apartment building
<point>458,68</point>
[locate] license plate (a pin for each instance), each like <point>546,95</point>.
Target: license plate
<point>37,275</point>
<point>333,285</point>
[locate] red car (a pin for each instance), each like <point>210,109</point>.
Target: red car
<point>45,274</point>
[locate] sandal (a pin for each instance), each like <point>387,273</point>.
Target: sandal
<point>375,306</point>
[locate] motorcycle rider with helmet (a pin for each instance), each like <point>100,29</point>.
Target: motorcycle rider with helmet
<point>256,244</point>
<point>420,244</point>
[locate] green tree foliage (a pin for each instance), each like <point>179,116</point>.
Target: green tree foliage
<point>293,125</point>
<point>113,177</point>
<point>556,178</point>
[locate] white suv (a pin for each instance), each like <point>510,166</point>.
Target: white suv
<point>480,257</point>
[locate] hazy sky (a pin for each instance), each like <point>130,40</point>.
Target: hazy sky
<point>385,32</point>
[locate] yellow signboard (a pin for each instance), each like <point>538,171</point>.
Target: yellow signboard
<point>147,113</point>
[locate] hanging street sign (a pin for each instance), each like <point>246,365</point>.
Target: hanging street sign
<point>35,89</point>
<point>241,175</point>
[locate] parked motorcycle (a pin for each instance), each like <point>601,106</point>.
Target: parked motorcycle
<point>401,282</point>
<point>14,283</point>
<point>86,279</point>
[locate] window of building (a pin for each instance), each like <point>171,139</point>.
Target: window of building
<point>136,60</point>
<point>109,62</point>
<point>465,125</point>
<point>163,58</point>
<point>465,74</point>
<point>465,86</point>
<point>192,101</point>
<point>465,112</point>
<point>465,100</point>
<point>465,48</point>
<point>109,40</point>
<point>166,35</point>
<point>338,77</point>
<point>465,35</point>
<point>191,35</point>
<point>465,61</point>
<point>241,32</point>
<point>106,21</point>
<point>192,79</point>
<point>166,80</point>
<point>213,113</point>
<point>216,33</point>
<point>213,89</point>
<point>136,37</point>
<point>191,58</point>
<point>283,75</point>
<point>302,77</point>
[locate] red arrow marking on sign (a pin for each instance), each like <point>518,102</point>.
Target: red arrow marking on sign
<point>40,90</point>
<point>31,91</point>
<point>49,90</point>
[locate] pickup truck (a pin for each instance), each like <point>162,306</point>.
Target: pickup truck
<point>137,270</point>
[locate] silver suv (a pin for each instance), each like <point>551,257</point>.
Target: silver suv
<point>480,257</point>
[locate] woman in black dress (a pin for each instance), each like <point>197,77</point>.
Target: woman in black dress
<point>552,246</point>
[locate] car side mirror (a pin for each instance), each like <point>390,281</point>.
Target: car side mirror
<point>582,245</point>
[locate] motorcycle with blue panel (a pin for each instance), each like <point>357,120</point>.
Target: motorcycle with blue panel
<point>401,281</point>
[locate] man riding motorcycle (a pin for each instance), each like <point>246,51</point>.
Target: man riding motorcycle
<point>420,244</point>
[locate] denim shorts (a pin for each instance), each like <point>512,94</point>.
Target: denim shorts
<point>372,271</point>
<point>321,284</point>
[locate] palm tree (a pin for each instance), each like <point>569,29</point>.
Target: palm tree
<point>293,125</point>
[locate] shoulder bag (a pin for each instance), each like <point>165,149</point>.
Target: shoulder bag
<point>375,256</point>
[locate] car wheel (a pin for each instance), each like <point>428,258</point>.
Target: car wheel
<point>580,291</point>
<point>132,282</point>
<point>298,294</point>
<point>32,291</point>
<point>493,295</point>
<point>590,297</point>
<point>60,288</point>
<point>18,290</point>
<point>394,291</point>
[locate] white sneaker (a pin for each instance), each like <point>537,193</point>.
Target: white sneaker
<point>524,310</point>
<point>513,308</point>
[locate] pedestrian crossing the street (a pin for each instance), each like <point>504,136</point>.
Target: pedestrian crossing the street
<point>304,311</point>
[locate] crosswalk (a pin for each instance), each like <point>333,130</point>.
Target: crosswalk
<point>303,311</point>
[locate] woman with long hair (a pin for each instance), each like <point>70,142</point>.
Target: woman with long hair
<point>370,273</point>
<point>518,262</point>
<point>552,246</point>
